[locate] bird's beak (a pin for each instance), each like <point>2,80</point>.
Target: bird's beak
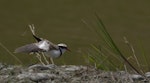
<point>68,50</point>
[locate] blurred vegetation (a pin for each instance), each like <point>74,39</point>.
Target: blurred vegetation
<point>106,55</point>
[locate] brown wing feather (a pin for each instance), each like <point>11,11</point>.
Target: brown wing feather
<point>28,48</point>
<point>53,46</point>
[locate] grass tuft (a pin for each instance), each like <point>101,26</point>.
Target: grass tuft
<point>106,56</point>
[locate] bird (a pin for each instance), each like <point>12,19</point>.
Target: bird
<point>49,49</point>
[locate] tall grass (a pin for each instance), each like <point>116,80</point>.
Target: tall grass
<point>15,57</point>
<point>108,56</point>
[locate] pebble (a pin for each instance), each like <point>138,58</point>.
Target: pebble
<point>147,74</point>
<point>136,77</point>
<point>42,67</point>
<point>72,68</point>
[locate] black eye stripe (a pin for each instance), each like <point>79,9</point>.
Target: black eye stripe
<point>63,47</point>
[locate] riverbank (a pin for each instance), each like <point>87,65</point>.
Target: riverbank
<point>64,74</point>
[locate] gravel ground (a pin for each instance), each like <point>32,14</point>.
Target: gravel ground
<point>65,74</point>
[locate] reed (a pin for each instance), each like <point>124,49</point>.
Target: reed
<point>7,50</point>
<point>108,56</point>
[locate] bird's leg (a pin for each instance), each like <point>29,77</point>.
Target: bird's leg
<point>51,59</point>
<point>45,58</point>
<point>32,28</point>
<point>39,58</point>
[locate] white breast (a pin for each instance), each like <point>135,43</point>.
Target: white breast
<point>53,53</point>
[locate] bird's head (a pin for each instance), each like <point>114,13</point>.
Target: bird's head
<point>63,47</point>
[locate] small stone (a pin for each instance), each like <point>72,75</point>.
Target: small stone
<point>147,74</point>
<point>42,67</point>
<point>1,66</point>
<point>136,77</point>
<point>4,76</point>
<point>36,77</point>
<point>72,68</point>
<point>23,76</point>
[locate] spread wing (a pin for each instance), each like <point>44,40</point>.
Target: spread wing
<point>37,38</point>
<point>28,48</point>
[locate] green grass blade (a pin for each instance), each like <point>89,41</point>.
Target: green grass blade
<point>106,36</point>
